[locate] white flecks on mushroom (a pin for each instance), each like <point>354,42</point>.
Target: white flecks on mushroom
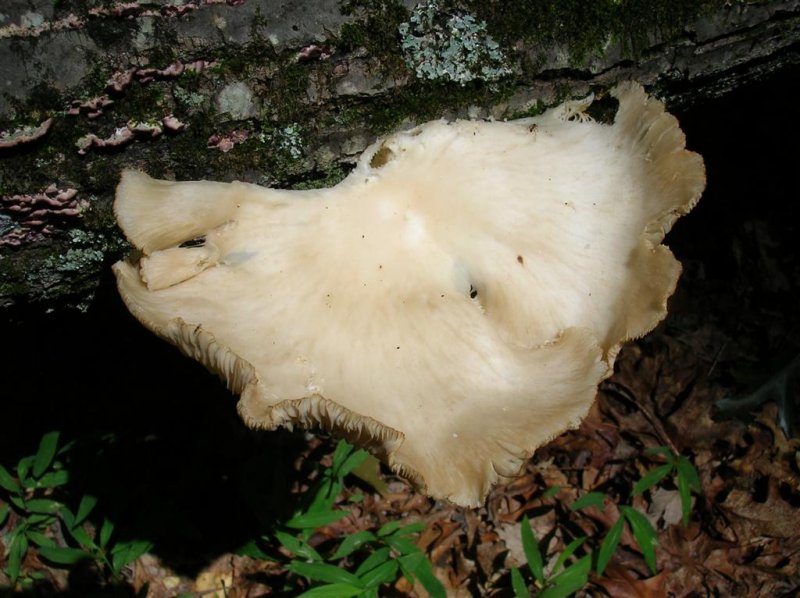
<point>451,305</point>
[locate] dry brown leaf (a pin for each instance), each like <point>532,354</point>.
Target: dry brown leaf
<point>619,583</point>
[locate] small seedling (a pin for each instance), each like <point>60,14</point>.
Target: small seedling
<point>380,556</point>
<point>38,517</point>
<point>28,495</point>
<point>678,465</point>
<point>562,580</point>
<point>113,557</point>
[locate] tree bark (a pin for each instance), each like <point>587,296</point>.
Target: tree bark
<point>289,93</point>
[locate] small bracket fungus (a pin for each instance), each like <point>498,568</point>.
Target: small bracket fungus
<point>451,305</point>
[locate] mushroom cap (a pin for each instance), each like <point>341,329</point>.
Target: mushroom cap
<point>451,305</point>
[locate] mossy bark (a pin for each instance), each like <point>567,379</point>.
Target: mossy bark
<point>288,94</point>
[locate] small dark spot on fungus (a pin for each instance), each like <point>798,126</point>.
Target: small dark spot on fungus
<point>473,292</point>
<point>381,157</point>
<point>196,242</point>
<point>520,259</point>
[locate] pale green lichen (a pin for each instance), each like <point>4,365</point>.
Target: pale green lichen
<point>190,100</point>
<point>287,140</point>
<point>454,47</point>
<point>87,251</point>
<point>75,260</point>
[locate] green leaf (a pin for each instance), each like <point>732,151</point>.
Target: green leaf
<point>411,528</point>
<point>297,546</point>
<point>81,537</point>
<point>5,509</point>
<point>43,505</point>
<point>340,453</point>
<point>23,467</point>
<point>531,549</point>
<point>590,499</point>
<point>124,553</point>
<point>324,572</point>
<point>688,471</point>
<point>401,544</point>
<point>7,482</point>
<point>323,499</point>
<point>644,533</point>
<point>417,565</point>
<point>568,552</point>
<point>352,543</point>
<point>336,590</point>
<point>52,479</point>
<point>411,562</point>
<point>570,580</point>
<point>551,491</point>
<point>39,538</point>
<point>609,545</point>
<point>253,550</point>
<point>17,549</point>
<point>17,501</point>
<point>44,456</point>
<point>651,478</point>
<point>316,520</point>
<point>428,580</point>
<point>85,507</point>
<point>352,462</point>
<point>375,559</point>
<point>389,527</point>
<point>518,584</point>
<point>688,480</point>
<point>105,532</point>
<point>62,556</point>
<point>384,573</point>
<point>67,517</point>
<point>40,520</point>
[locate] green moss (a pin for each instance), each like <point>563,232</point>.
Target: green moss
<point>375,29</point>
<point>324,180</point>
<point>144,103</point>
<point>586,27</point>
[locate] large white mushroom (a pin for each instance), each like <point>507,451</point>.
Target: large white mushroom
<point>451,305</point>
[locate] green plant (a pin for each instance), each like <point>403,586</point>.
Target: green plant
<point>642,529</point>
<point>562,579</point>
<point>376,558</point>
<point>112,557</point>
<point>37,514</point>
<point>28,495</point>
<point>678,465</point>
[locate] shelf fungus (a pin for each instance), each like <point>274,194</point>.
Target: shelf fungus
<point>451,305</point>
